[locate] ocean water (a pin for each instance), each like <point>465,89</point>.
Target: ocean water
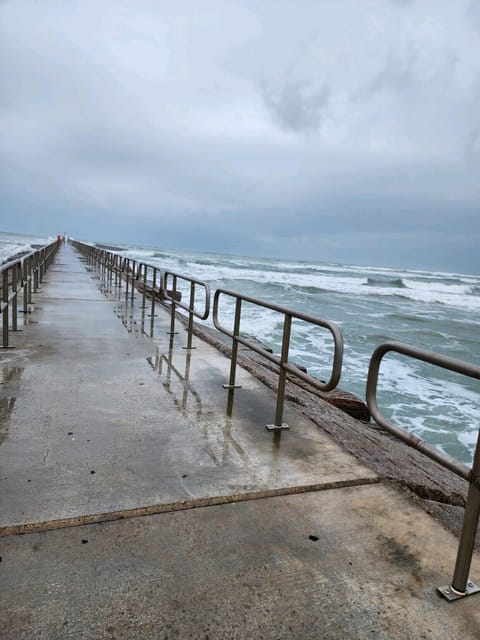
<point>13,243</point>
<point>435,311</point>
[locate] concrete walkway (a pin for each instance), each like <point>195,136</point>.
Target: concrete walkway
<point>239,532</point>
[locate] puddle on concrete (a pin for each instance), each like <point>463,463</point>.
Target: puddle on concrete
<point>11,374</point>
<point>27,320</point>
<point>130,321</point>
<point>189,397</point>
<point>216,428</point>
<point>135,315</point>
<point>219,442</point>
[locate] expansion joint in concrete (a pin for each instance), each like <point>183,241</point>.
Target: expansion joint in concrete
<point>149,510</point>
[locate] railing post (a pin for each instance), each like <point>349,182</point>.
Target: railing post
<point>144,293</point>
<point>14,296</point>
<point>36,259</point>
<point>25,285</point>
<point>29,280</point>
<point>42,264</point>
<point>154,293</point>
<point>236,330</point>
<point>126,267</point>
<point>190,316</point>
<point>153,296</point>
<point>172,315</point>
<point>118,275</point>
<point>5,308</point>
<point>110,272</point>
<point>134,266</point>
<point>282,376</point>
<point>461,585</point>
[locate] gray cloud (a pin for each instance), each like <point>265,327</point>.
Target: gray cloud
<point>296,105</point>
<point>246,126</point>
<point>396,73</point>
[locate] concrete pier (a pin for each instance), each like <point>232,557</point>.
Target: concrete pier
<point>139,499</point>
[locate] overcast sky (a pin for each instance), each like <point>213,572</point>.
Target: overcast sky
<point>337,130</point>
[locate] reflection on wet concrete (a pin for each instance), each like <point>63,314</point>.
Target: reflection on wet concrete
<point>164,366</point>
<point>277,438</point>
<point>27,318</point>
<point>11,374</point>
<point>6,408</point>
<point>128,319</point>
<point>8,396</point>
<point>140,439</point>
<point>220,443</point>
<point>136,313</point>
<point>141,319</point>
<point>230,398</point>
<point>204,421</point>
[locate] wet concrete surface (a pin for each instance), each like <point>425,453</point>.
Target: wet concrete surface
<point>254,534</point>
<point>346,563</point>
<point>110,420</point>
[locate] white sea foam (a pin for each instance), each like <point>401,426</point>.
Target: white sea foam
<point>311,279</point>
<point>11,244</point>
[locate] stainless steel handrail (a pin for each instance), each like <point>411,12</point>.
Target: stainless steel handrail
<point>461,585</point>
<point>282,361</point>
<point>171,295</point>
<point>135,275</point>
<point>17,275</point>
<point>123,269</point>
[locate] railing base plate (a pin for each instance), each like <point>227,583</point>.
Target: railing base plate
<point>232,386</point>
<point>449,594</point>
<point>276,427</point>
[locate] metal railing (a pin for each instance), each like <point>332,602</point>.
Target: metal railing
<point>22,275</point>
<point>282,362</point>
<point>151,282</point>
<point>171,295</point>
<point>461,585</point>
<point>118,270</point>
<point>136,276</point>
